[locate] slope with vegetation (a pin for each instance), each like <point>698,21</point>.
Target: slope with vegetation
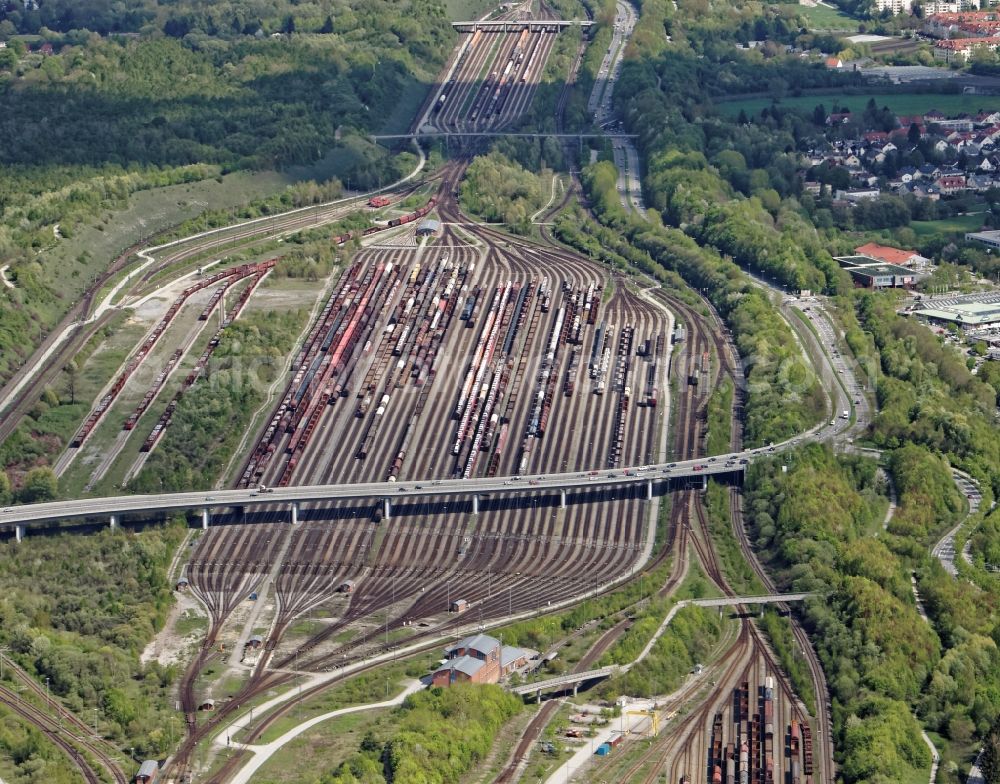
<point>138,96</point>
<point>725,193</point>
<point>77,611</point>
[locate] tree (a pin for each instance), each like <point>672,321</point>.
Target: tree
<point>990,761</point>
<point>5,493</point>
<point>71,371</point>
<point>913,135</point>
<point>40,484</point>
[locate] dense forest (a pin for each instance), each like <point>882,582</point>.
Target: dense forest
<point>81,623</point>
<point>103,100</point>
<point>242,83</point>
<point>497,189</point>
<point>437,735</point>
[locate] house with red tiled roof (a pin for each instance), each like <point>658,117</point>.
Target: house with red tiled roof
<point>950,183</point>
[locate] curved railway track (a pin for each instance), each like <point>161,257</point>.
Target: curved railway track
<point>69,743</point>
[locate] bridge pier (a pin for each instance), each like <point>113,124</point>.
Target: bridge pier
<point>113,521</point>
<point>562,499</point>
<point>19,532</point>
<point>575,687</point>
<point>475,504</point>
<point>295,514</point>
<point>704,482</point>
<point>649,490</point>
<point>204,519</point>
<point>386,508</point>
<point>538,696</point>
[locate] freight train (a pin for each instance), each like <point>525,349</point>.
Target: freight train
<point>342,238</point>
<point>102,407</point>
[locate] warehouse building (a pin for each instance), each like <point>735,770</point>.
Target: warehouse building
<point>990,239</point>
<point>479,659</point>
<point>870,274</point>
<point>970,315</point>
<point>882,276</point>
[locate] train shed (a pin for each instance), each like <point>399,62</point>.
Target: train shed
<point>428,228</point>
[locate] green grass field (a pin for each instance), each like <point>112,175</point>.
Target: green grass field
<point>463,10</point>
<point>903,103</point>
<point>319,749</point>
<point>823,18</point>
<point>957,224</point>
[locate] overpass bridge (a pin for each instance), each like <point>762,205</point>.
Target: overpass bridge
<point>569,487</point>
<point>515,25</point>
<point>494,134</point>
<point>574,679</point>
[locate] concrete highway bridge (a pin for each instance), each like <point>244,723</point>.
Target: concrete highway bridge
<point>493,134</point>
<point>570,487</point>
<point>515,26</point>
<point>574,679</point>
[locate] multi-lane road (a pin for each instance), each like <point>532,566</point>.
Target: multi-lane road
<point>626,157</point>
<point>97,508</point>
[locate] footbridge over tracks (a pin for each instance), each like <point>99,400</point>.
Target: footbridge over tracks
<point>575,679</point>
<point>569,487</point>
<point>516,26</point>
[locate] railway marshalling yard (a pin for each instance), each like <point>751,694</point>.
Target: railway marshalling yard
<point>469,354</point>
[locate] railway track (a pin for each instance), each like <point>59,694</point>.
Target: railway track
<point>233,240</point>
<point>71,720</point>
<point>68,742</point>
<point>529,556</point>
<point>686,445</point>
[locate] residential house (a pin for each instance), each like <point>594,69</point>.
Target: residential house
<point>950,183</point>
<point>856,195</point>
<point>925,190</point>
<point>929,171</point>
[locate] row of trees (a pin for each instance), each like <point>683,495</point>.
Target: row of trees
<point>723,184</point>
<point>784,394</point>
